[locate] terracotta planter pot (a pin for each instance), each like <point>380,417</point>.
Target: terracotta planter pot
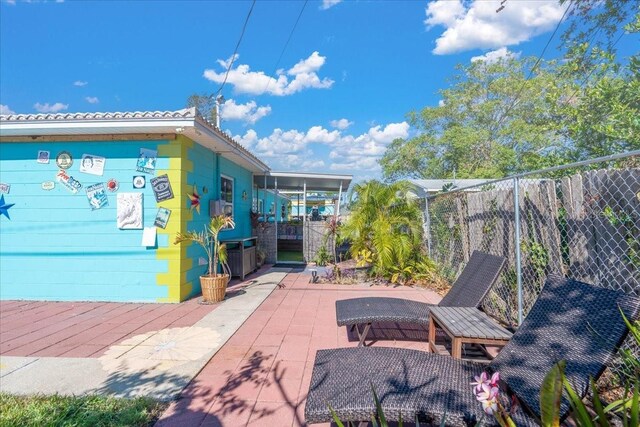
<point>214,287</point>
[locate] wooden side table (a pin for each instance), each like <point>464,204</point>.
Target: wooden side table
<point>465,325</point>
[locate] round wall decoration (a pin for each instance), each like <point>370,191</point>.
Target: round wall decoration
<point>139,181</point>
<point>112,185</point>
<point>64,160</point>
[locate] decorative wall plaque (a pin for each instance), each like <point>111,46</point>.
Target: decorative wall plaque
<point>162,188</point>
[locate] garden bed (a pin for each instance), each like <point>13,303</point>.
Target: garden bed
<point>348,273</point>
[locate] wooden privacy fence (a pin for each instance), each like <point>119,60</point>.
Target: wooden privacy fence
<point>585,224</point>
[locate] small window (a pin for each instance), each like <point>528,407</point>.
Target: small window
<point>226,195</point>
<point>260,205</point>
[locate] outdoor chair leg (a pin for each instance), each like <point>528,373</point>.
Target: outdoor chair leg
<point>363,335</point>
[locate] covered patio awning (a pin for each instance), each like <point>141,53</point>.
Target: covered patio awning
<point>303,183</point>
<point>296,181</point>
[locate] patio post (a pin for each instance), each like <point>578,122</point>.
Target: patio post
<point>305,238</point>
<point>275,213</point>
<point>516,209</point>
<point>339,199</point>
<point>264,199</point>
<point>304,201</point>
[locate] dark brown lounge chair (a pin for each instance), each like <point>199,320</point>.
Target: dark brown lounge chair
<point>570,321</point>
<point>475,281</point>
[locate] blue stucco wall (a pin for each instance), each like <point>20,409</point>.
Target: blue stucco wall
<point>243,182</point>
<point>55,247</point>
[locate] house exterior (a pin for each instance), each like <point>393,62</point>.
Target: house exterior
<point>90,203</point>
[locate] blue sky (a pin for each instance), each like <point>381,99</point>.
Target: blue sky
<point>350,74</point>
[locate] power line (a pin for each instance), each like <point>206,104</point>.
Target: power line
<point>286,44</point>
<point>515,99</point>
<point>233,57</point>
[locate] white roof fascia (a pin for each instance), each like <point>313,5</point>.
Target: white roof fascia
<point>45,128</point>
<point>199,132</point>
<point>226,147</point>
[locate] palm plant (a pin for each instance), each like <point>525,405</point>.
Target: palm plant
<point>208,239</point>
<point>385,220</point>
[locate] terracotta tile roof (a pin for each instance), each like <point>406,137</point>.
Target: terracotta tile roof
<point>179,114</point>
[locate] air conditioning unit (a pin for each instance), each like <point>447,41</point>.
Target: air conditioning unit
<point>215,208</point>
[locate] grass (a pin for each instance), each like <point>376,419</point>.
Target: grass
<point>284,256</point>
<point>86,411</point>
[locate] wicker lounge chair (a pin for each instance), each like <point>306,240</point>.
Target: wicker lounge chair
<point>571,321</point>
<point>480,273</point>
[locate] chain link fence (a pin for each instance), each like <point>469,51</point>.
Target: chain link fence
<point>579,220</point>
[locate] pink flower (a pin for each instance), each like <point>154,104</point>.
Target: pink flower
<point>480,381</point>
<point>483,379</point>
<point>495,379</point>
<point>488,396</point>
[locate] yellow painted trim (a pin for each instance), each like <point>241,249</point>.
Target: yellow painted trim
<point>175,279</point>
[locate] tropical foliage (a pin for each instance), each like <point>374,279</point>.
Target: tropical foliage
<point>208,240</point>
<point>385,226</point>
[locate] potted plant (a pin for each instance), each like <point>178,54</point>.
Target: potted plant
<point>213,284</point>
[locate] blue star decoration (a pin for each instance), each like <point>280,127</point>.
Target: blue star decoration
<point>4,208</point>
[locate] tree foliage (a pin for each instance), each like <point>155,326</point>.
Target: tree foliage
<point>492,121</point>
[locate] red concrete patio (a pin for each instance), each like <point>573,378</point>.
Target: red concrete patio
<point>260,377</point>
<point>88,329</point>
<point>85,329</point>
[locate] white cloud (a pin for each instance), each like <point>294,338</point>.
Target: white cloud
<point>302,75</point>
<point>496,55</point>
<point>476,25</point>
<point>80,83</point>
<point>322,135</point>
<point>248,113</point>
<point>292,148</point>
<point>50,108</point>
<point>443,13</point>
<point>312,164</point>
<point>310,65</point>
<point>4,109</point>
<point>11,2</point>
<point>341,124</point>
<point>441,103</point>
<point>326,4</point>
<point>92,99</point>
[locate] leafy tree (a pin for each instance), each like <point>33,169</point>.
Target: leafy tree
<point>593,31</point>
<point>601,115</point>
<point>490,123</point>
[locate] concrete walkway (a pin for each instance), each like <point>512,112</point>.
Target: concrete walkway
<point>157,363</point>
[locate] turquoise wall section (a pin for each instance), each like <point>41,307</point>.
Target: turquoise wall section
<point>203,175</point>
<point>55,247</point>
<point>243,182</point>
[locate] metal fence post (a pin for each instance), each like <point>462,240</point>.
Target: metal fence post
<point>516,209</point>
<point>427,226</point>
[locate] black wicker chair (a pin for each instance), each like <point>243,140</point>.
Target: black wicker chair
<point>570,321</point>
<point>480,273</point>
